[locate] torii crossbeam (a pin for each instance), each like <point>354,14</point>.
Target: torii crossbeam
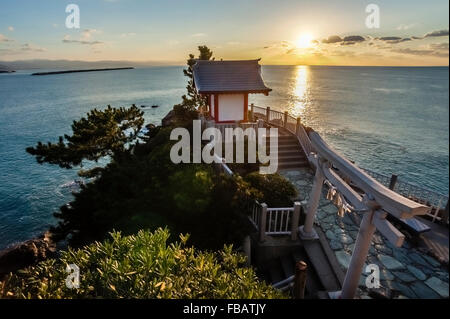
<point>376,202</point>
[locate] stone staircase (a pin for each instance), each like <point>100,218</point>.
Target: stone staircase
<point>290,154</point>
<point>283,267</point>
<point>323,274</point>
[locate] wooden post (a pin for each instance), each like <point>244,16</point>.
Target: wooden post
<point>297,127</point>
<point>285,119</point>
<point>300,280</point>
<point>444,218</point>
<point>252,117</point>
<point>247,249</point>
<point>393,181</point>
<point>262,222</point>
<point>307,230</point>
<point>359,255</point>
<point>268,114</point>
<point>294,221</point>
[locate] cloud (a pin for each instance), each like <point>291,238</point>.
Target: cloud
<point>439,46</point>
<point>86,34</point>
<point>352,39</point>
<point>285,47</point>
<point>406,26</point>
<point>432,34</point>
<point>82,40</point>
<point>332,39</point>
<point>198,35</point>
<point>421,52</point>
<point>393,40</point>
<point>390,38</point>
<point>126,35</point>
<point>10,28</point>
<point>7,51</point>
<point>233,43</point>
<point>172,42</point>
<point>86,42</point>
<point>365,46</point>
<point>342,53</point>
<point>290,51</point>
<point>4,39</point>
<point>439,33</point>
<point>27,47</point>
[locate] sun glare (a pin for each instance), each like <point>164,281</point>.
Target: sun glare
<point>304,41</point>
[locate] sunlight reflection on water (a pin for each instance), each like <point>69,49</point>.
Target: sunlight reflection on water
<point>300,91</point>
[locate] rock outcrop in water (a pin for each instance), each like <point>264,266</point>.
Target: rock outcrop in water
<point>26,254</point>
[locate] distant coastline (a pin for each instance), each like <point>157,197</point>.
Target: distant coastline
<point>76,71</point>
<point>6,69</point>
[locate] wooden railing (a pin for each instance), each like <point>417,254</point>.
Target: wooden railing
<point>223,126</point>
<point>287,121</point>
<point>275,221</point>
<point>432,199</point>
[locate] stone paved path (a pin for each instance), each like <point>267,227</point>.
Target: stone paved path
<point>408,270</point>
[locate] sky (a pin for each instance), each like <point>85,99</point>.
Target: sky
<point>290,32</point>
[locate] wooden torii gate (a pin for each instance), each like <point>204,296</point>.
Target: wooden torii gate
<point>375,202</point>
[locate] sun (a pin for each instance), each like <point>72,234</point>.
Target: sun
<point>304,41</point>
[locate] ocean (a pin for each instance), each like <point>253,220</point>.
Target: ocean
<point>386,119</point>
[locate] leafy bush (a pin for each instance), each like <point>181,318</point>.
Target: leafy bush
<point>141,266</point>
<point>276,190</point>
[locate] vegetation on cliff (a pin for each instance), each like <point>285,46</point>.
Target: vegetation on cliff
<point>144,265</point>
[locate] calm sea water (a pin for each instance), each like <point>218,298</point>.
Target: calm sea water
<point>391,120</point>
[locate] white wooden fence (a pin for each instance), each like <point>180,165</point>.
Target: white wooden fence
<point>432,199</point>
<point>275,221</point>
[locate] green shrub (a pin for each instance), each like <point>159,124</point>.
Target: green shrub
<point>141,266</point>
<point>276,190</point>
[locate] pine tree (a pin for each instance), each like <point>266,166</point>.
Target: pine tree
<point>99,134</point>
<point>193,100</point>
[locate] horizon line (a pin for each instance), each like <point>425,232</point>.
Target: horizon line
<point>172,63</point>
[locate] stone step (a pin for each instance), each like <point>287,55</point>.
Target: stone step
<point>283,141</point>
<point>284,137</point>
<point>322,266</point>
<point>288,265</point>
<point>289,144</point>
<point>292,157</point>
<point>282,133</point>
<point>275,271</point>
<point>289,152</point>
<point>293,164</point>
<point>288,147</point>
<point>292,161</point>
